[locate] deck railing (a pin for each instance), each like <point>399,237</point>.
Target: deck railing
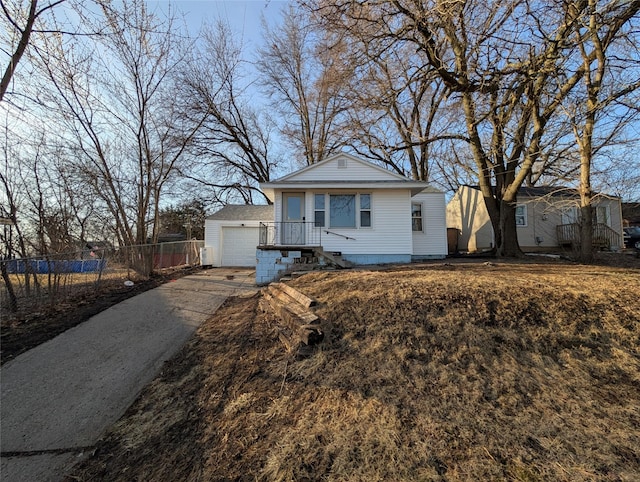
<point>568,234</point>
<point>603,236</point>
<point>290,233</point>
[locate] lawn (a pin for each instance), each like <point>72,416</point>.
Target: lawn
<point>445,371</point>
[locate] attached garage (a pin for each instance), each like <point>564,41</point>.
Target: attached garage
<point>232,235</point>
<point>239,246</point>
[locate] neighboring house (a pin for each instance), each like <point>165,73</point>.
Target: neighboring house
<point>546,218</point>
<point>343,210</point>
<point>231,235</point>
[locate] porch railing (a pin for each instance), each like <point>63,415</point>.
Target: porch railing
<point>290,233</point>
<point>603,236</point>
<point>568,234</point>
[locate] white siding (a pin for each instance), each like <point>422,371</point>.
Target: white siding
<point>239,245</point>
<point>353,170</point>
<point>433,241</point>
<point>277,205</point>
<point>213,238</point>
<point>467,212</point>
<point>390,232</point>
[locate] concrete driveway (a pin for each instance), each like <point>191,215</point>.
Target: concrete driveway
<point>58,398</point>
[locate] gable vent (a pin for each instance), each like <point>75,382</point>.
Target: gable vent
<point>342,163</point>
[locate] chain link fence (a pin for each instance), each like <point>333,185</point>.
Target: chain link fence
<point>28,285</point>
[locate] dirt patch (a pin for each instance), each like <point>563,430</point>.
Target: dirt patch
<point>20,334</point>
<point>485,371</point>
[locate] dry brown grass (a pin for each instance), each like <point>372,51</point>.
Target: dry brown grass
<point>447,372</point>
<point>49,290</point>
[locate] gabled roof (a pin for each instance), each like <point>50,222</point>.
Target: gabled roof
<point>243,212</point>
<point>357,174</point>
<point>318,165</point>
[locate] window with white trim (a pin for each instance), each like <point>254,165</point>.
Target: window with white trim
<point>347,209</point>
<point>521,215</point>
<point>319,210</point>
<point>416,217</point>
<point>365,210</point>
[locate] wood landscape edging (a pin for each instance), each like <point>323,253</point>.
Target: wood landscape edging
<point>297,325</point>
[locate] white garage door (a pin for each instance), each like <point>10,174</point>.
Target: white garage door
<point>239,246</point>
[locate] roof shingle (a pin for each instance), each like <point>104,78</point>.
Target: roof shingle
<point>240,212</point>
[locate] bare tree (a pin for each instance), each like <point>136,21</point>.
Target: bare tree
<point>8,211</point>
<point>234,143</point>
<point>509,67</point>
<point>46,214</point>
<point>395,113</point>
<point>116,97</point>
<point>23,19</point>
<point>305,76</point>
<point>618,172</point>
<point>12,195</point>
<point>49,214</point>
<point>600,30</point>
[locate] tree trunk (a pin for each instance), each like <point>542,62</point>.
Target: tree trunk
<point>585,253</point>
<point>13,300</point>
<point>25,34</point>
<point>507,240</point>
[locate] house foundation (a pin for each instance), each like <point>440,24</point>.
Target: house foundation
<point>273,264</point>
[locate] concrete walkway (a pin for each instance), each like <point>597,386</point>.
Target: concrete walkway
<point>59,398</point>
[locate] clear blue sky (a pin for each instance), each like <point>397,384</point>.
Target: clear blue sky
<point>243,16</point>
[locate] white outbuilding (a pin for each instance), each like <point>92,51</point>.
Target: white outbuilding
<point>231,235</point>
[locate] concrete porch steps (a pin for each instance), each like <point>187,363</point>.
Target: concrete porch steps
<point>274,263</point>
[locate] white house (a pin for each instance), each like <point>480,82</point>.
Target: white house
<point>232,234</point>
<point>343,209</point>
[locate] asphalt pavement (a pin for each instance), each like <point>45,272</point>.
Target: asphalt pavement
<point>58,398</point>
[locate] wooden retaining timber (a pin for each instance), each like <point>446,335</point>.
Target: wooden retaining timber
<point>296,325</point>
<point>301,298</point>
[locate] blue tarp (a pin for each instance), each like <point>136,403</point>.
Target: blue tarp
<point>19,266</point>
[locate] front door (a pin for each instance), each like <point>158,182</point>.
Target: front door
<point>602,215</point>
<point>569,216</point>
<point>293,218</point>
